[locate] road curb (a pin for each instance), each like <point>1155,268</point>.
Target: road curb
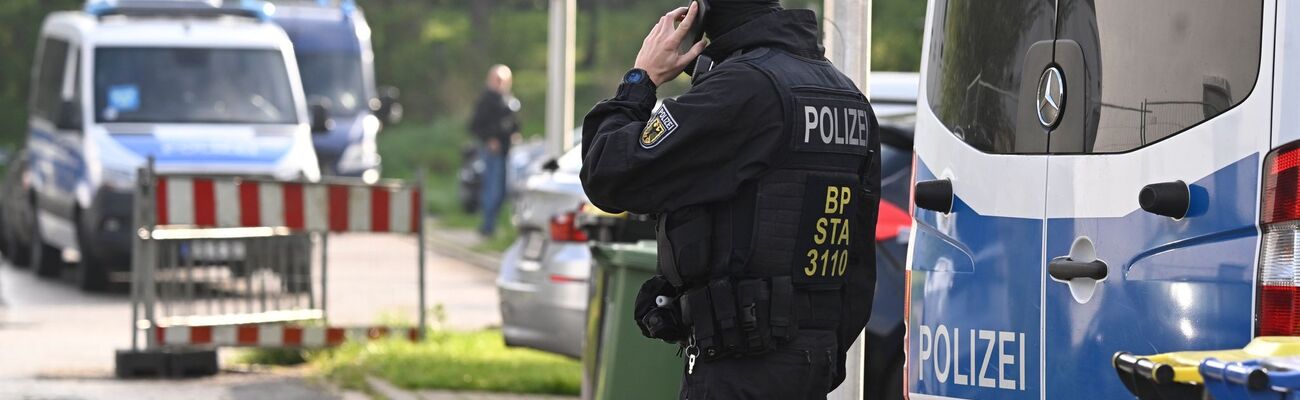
<point>453,246</point>
<point>391,392</point>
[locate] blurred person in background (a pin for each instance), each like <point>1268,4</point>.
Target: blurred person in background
<point>494,124</point>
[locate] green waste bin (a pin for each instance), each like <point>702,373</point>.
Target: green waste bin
<point>618,362</point>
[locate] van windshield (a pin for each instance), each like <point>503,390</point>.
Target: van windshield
<point>192,85</point>
<point>335,77</point>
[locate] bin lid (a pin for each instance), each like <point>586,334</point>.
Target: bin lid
<point>642,255</point>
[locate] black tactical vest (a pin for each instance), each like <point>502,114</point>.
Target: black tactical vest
<point>774,257</point>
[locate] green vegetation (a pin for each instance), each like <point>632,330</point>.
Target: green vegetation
<point>437,51</point>
<point>436,147</point>
<point>462,361</point>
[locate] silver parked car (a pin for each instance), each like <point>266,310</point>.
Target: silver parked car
<point>543,277</point>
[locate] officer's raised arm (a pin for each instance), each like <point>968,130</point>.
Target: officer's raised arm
<point>694,149</point>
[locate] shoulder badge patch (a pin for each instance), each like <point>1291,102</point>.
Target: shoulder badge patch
<point>660,126</point>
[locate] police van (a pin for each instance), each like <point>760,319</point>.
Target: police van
<point>1095,176</point>
<point>332,43</point>
<point>200,86</point>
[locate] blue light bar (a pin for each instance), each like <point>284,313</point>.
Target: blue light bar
<point>98,7</point>
<point>262,10</point>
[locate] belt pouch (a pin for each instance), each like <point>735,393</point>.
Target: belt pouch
<point>754,309</point>
<point>782,324</point>
<point>724,310</point>
<point>696,304</point>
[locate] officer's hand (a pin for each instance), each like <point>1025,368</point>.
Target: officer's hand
<point>658,56</point>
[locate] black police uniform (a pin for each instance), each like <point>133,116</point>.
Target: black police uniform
<point>765,180</point>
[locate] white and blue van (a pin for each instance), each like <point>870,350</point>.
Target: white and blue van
<point>199,86</point>
<point>332,42</point>
<point>1096,176</point>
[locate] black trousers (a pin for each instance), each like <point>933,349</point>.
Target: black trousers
<point>803,368</point>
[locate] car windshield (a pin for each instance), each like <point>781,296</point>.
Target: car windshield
<point>336,77</point>
<point>192,85</point>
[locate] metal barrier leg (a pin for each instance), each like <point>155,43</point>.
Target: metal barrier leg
<point>419,186</point>
<point>324,276</point>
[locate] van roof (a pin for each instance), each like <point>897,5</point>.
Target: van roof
<point>150,31</point>
<point>314,28</point>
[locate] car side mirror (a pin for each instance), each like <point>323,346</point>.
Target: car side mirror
<point>69,116</point>
<point>320,117</point>
<point>551,165</point>
<point>386,106</point>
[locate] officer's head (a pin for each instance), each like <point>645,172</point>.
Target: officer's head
<point>725,15</point>
<point>499,78</point>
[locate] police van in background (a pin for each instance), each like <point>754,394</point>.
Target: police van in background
<point>332,42</point>
<point>1095,176</point>
<point>200,86</point>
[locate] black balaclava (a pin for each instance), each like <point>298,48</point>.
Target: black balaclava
<point>725,15</point>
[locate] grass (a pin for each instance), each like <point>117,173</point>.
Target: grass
<point>436,147</point>
<point>459,361</point>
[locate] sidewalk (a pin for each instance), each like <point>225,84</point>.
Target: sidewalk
<point>459,244</point>
<point>391,392</point>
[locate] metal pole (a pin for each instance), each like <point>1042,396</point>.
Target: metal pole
<point>419,187</point>
<point>142,191</point>
<point>848,46</point>
<point>147,255</point>
<point>847,33</point>
<point>560,75</point>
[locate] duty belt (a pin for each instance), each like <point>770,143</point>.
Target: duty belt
<point>751,316</point>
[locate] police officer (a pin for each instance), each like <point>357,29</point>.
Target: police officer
<point>764,177</point>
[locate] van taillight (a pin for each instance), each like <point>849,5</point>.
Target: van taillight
<point>1278,310</point>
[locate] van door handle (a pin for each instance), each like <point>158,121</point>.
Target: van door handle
<point>1065,269</point>
<point>935,195</point>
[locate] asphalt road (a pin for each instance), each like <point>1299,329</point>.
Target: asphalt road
<point>58,343</point>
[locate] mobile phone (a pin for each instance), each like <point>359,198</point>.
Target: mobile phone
<point>696,34</point>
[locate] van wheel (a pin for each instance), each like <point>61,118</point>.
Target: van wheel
<point>91,274</point>
<point>46,260</point>
<point>16,250</point>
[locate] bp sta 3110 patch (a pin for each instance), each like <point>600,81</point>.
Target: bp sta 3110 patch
<point>660,126</point>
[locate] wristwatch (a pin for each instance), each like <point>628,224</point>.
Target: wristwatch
<point>637,76</point>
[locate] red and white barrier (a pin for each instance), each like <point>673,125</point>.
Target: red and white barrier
<point>274,335</point>
<point>177,209</point>
<point>235,203</point>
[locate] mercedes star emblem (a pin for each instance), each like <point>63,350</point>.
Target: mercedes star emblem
<point>1051,97</point>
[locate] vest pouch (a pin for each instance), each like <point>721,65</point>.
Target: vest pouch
<point>684,243</point>
<point>754,301</point>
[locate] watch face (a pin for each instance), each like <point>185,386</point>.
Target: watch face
<point>634,76</point>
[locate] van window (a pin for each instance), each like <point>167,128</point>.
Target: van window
<point>48,83</point>
<point>1161,66</point>
<point>192,85</point>
<point>336,77</point>
<point>977,54</point>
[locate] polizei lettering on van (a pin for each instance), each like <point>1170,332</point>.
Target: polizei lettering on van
<point>972,357</point>
<point>832,125</point>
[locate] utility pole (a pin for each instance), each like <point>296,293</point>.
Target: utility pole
<point>846,26</point>
<point>559,75</point>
